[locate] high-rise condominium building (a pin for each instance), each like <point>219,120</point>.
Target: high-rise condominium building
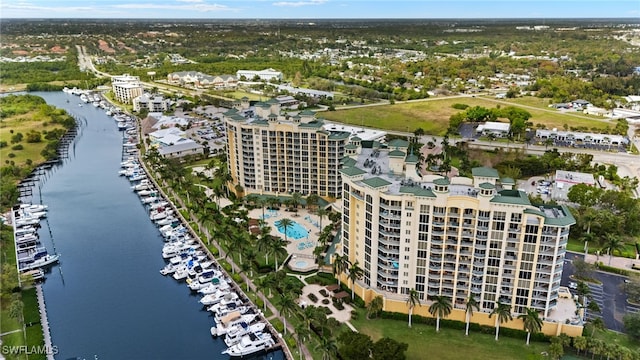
<point>448,237</point>
<point>278,154</point>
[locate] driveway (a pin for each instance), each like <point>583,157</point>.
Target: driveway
<point>610,295</point>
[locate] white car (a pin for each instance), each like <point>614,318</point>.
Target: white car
<point>573,285</point>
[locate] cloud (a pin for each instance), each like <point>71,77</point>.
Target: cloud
<point>193,5</point>
<point>299,3</point>
<point>190,1</point>
<point>26,6</point>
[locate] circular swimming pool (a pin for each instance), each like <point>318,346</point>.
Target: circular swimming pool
<point>301,264</point>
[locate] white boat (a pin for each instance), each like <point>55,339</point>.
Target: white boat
<point>230,320</point>
<point>43,261</point>
<point>33,207</point>
<point>166,221</point>
<point>251,344</point>
<point>235,335</point>
<point>216,297</point>
<point>36,274</point>
<point>168,269</point>
<point>221,284</point>
<point>181,273</point>
<point>222,312</point>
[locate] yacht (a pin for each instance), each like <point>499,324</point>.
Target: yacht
<point>250,344</point>
<point>218,296</point>
<point>181,273</point>
<point>235,335</point>
<point>39,262</point>
<point>212,288</point>
<point>168,269</point>
<point>230,320</point>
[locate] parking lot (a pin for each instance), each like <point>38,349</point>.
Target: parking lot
<point>609,294</point>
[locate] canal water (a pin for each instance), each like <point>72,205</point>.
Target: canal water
<point>106,299</point>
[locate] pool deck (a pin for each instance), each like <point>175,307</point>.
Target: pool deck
<point>309,221</point>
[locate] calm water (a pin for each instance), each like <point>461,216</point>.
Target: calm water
<point>106,299</point>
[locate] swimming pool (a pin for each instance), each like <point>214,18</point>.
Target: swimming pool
<point>301,264</point>
<point>294,231</point>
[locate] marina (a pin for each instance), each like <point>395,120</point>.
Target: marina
<point>106,298</point>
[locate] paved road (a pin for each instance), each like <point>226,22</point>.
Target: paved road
<point>609,295</point>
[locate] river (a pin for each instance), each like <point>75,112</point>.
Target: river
<point>106,298</point>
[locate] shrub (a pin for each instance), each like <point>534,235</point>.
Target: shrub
<point>237,278</point>
<point>338,305</point>
<point>313,297</point>
<point>326,301</point>
<point>324,292</point>
<point>459,106</point>
<point>17,147</point>
<point>611,269</point>
<point>3,144</point>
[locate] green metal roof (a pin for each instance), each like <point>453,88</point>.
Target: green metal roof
<point>376,182</point>
<point>350,147</point>
<point>486,185</point>
<point>356,138</point>
<point>352,171</point>
<point>396,153</point>
<point>272,101</point>
<point>260,122</point>
<point>306,113</point>
<point>565,220</point>
<point>417,191</point>
<point>237,117</point>
<point>230,112</point>
<point>262,105</point>
<point>485,172</point>
<point>412,159</point>
<point>514,197</point>
<point>312,124</point>
<point>441,181</point>
<point>507,180</point>
<point>244,98</point>
<point>398,143</point>
<point>347,161</point>
<point>339,135</point>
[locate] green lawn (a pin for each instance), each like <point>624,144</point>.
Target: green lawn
<point>433,115</point>
<point>448,343</point>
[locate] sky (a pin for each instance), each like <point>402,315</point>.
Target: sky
<point>318,9</point>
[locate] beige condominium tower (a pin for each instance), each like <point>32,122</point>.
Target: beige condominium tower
<point>455,237</point>
<point>273,153</point>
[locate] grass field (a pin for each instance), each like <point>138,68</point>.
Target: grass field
<point>448,343</point>
<point>23,124</point>
<point>433,115</point>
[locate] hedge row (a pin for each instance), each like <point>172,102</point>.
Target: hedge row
<point>611,269</point>
<point>460,325</point>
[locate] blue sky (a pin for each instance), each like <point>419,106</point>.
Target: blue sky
<point>318,9</point>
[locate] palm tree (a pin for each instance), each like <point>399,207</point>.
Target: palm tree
<point>278,248</point>
<point>295,199</point>
<point>355,273</point>
<point>321,212</point>
<point>503,314</point>
<point>441,307</point>
<point>261,286</point>
<point>328,347</point>
<point>302,333</point>
<point>596,324</point>
<point>340,265</point>
<point>265,242</point>
<point>285,224</point>
<point>375,305</point>
<point>412,301</point>
<point>312,200</point>
<point>580,343</point>
<point>613,243</point>
<point>472,303</point>
<point>532,322</point>
<point>287,306</point>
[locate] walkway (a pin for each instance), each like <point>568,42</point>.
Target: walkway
<point>44,322</point>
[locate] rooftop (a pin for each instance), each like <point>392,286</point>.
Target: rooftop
<point>362,133</point>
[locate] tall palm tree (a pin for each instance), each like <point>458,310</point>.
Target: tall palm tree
<point>285,224</point>
<point>302,334</point>
<point>340,265</point>
<point>613,243</point>
<point>472,304</point>
<point>287,307</point>
<point>441,307</point>
<point>312,200</point>
<point>503,314</point>
<point>278,249</point>
<point>532,322</point>
<point>260,284</point>
<point>412,301</point>
<point>355,273</point>
<point>321,212</point>
<point>295,199</point>
<point>264,242</point>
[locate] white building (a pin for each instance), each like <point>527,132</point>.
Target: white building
<point>155,103</point>
<point>498,129</point>
<point>574,137</point>
<point>265,75</point>
<point>126,88</point>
